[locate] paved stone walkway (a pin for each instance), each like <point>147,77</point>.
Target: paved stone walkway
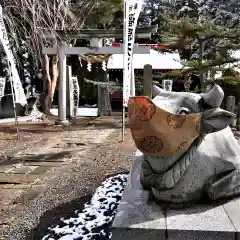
<point>33,167</point>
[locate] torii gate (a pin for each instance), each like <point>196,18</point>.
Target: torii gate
<point>96,38</point>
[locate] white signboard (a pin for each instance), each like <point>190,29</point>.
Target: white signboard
<point>167,85</point>
<point>132,9</point>
<point>17,85</point>
<point>76,92</point>
<point>2,87</point>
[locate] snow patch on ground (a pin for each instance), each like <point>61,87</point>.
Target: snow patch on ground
<point>95,221</point>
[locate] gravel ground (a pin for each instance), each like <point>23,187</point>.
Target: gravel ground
<point>69,186</point>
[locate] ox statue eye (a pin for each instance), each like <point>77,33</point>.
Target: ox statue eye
<point>183,111</point>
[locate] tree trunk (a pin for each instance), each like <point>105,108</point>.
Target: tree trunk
<point>45,98</point>
<point>50,82</point>
<point>55,74</point>
<point>104,103</point>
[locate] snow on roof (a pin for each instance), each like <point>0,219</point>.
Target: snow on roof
<point>235,66</point>
<point>158,60</point>
<point>236,54</point>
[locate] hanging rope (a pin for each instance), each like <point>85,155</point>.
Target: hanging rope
<point>111,86</point>
<point>98,58</point>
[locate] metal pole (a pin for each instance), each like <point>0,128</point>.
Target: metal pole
<point>123,123</point>
<point>238,117</point>
<point>133,85</point>
<point>124,63</point>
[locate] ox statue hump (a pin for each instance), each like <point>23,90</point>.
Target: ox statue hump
<point>189,149</point>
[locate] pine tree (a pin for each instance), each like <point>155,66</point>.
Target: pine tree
<point>221,12</point>
<point>187,7</point>
<point>204,45</point>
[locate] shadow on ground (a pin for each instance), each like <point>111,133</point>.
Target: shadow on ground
<point>53,216</point>
<point>46,157</point>
<point>76,124</point>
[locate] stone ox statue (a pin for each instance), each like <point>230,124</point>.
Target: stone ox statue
<point>189,149</point>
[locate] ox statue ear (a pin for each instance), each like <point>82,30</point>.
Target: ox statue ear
<point>156,90</point>
<point>214,120</point>
<point>214,97</point>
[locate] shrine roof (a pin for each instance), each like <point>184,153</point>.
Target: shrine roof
<point>158,60</point>
<point>141,32</point>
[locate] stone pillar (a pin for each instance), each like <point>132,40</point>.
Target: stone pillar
<point>238,117</point>
<point>104,106</point>
<point>147,80</point>
<point>230,106</point>
<point>62,98</point>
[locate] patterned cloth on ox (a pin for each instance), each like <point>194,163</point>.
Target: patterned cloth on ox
<point>157,132</point>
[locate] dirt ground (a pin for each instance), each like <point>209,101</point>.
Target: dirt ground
<point>51,166</point>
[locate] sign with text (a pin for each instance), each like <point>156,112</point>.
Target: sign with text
<point>20,96</point>
<point>167,85</point>
<point>76,93</point>
<point>132,9</point>
<point>2,86</point>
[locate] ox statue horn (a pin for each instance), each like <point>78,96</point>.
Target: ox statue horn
<point>214,97</point>
<point>156,90</point>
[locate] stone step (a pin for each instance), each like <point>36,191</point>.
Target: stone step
<point>9,178</point>
<point>139,218</point>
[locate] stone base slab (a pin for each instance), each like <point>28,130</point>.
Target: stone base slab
<point>140,218</point>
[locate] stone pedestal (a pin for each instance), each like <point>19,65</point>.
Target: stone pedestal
<point>65,123</point>
<point>230,106</point>
<point>147,80</point>
<point>140,218</point>
<point>7,109</point>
